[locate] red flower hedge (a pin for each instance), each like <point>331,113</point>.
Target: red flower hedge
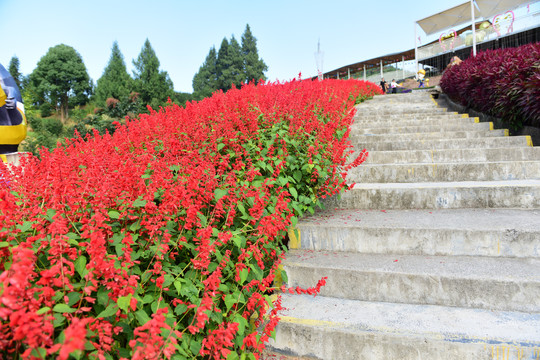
<point>504,83</point>
<point>164,239</point>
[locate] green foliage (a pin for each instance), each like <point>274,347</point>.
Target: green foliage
<point>60,79</point>
<point>153,85</point>
<point>115,81</point>
<point>229,65</point>
<point>45,110</point>
<point>233,64</point>
<point>205,80</point>
<point>13,69</point>
<point>91,123</point>
<point>254,67</point>
<point>53,126</point>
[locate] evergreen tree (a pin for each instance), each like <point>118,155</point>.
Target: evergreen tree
<point>205,80</point>
<point>229,65</point>
<point>60,79</point>
<point>254,67</point>
<point>115,81</point>
<point>14,71</point>
<point>154,86</point>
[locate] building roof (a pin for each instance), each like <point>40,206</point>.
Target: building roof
<point>462,14</point>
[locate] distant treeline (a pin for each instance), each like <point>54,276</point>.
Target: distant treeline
<point>60,81</point>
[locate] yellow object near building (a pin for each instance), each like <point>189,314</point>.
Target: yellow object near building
<point>13,125</point>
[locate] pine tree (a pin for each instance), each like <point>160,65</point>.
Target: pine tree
<point>254,67</point>
<point>229,65</point>
<point>115,81</point>
<point>153,85</point>
<point>14,71</point>
<point>205,80</point>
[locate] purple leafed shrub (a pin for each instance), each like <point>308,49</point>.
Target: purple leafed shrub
<point>504,83</point>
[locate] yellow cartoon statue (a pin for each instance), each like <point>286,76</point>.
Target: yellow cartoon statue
<point>12,117</point>
<point>420,78</point>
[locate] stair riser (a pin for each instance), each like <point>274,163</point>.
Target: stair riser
<point>408,173</point>
<point>525,197</point>
<point>452,155</point>
<point>397,287</point>
<point>442,242</point>
<point>320,342</point>
<point>440,144</point>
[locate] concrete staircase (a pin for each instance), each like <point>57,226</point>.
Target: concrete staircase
<point>435,252</point>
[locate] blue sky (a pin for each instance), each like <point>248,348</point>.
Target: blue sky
<point>182,32</point>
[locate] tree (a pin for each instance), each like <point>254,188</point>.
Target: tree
<point>254,67</point>
<point>229,65</point>
<point>205,80</point>
<point>115,81</point>
<point>154,86</point>
<point>61,79</point>
<point>14,71</point>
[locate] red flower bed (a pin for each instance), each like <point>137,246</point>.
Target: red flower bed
<point>164,239</point>
<point>504,83</point>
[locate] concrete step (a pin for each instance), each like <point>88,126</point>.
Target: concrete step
<point>427,128</point>
<point>328,328</point>
<point>523,194</point>
<point>405,173</point>
<point>452,155</point>
<point>510,284</point>
<point>398,118</point>
<point>385,110</point>
<point>460,232</point>
<point>438,144</point>
<point>367,139</point>
<point>405,122</point>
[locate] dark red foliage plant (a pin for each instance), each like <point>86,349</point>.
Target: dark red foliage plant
<point>164,239</point>
<point>504,83</point>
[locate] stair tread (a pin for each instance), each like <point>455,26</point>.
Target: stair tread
<point>426,321</point>
<point>454,184</point>
<point>455,219</point>
<point>463,267</point>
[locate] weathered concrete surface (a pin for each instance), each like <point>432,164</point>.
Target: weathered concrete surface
<point>433,254</point>
<point>487,283</point>
<point>329,328</point>
<point>452,171</point>
<point>440,195</point>
<point>461,232</point>
<point>452,155</point>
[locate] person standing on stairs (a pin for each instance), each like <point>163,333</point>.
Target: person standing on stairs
<point>394,85</point>
<point>384,87</point>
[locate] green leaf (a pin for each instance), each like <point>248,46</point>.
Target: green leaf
<point>43,310</point>
<point>220,146</point>
<point>139,202</point>
<point>27,225</point>
<point>142,317</point>
<point>109,311</point>
<point>232,356</point>
<point>113,214</point>
<point>123,302</point>
<point>80,266</point>
<point>74,298</point>
<point>63,308</point>
<point>230,300</point>
<point>219,193</point>
<point>39,353</point>
<point>297,176</point>
<point>4,244</point>
<point>293,192</point>
<point>243,275</point>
